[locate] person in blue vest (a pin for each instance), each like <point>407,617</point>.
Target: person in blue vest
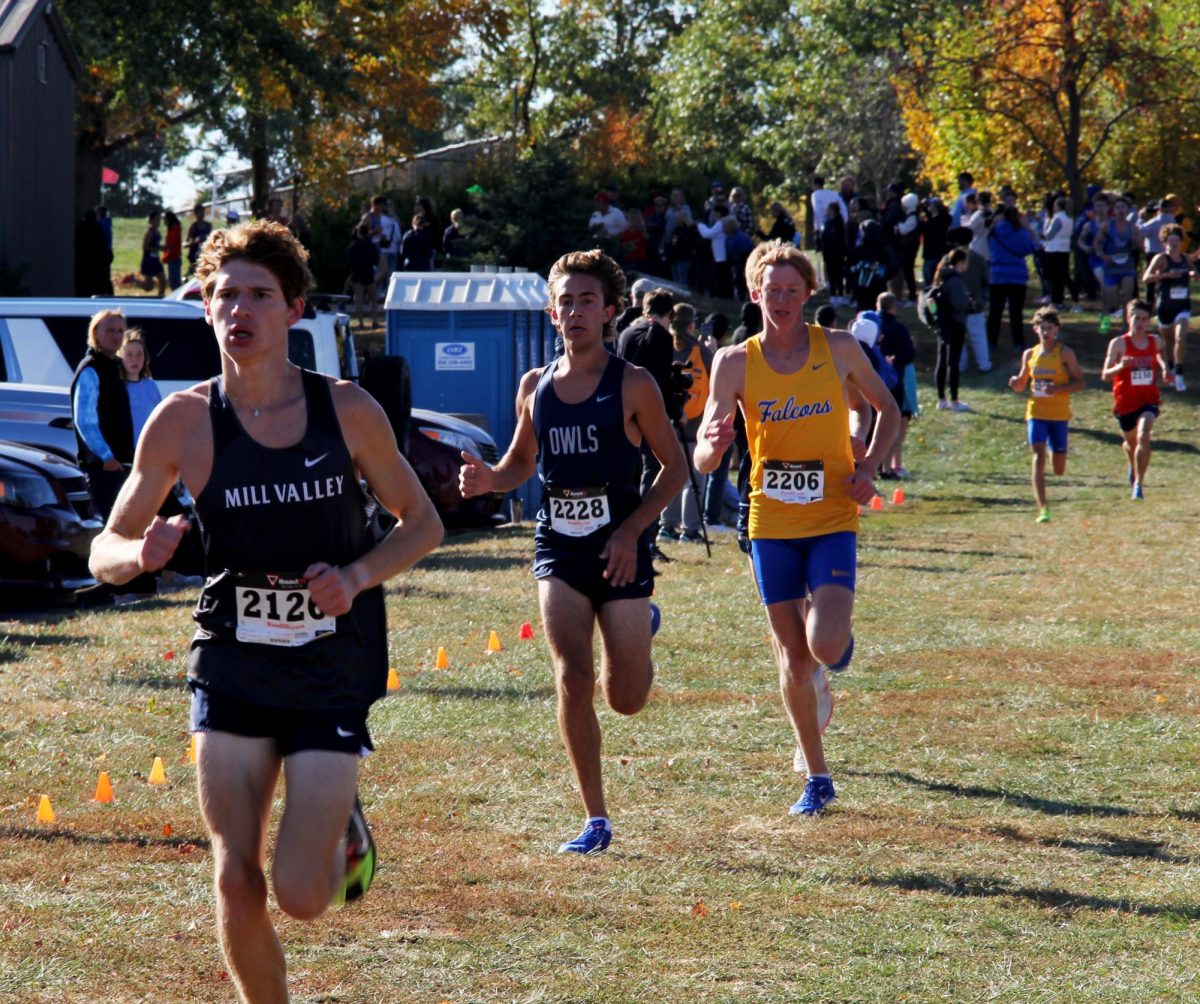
<point>581,422</point>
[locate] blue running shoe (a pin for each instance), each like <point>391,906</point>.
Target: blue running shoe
<point>818,793</point>
<point>655,619</point>
<point>844,661</point>
<point>1137,495</point>
<point>593,840</point>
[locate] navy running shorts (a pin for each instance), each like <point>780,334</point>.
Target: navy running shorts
<point>294,730</point>
<point>584,572</point>
<point>1129,421</point>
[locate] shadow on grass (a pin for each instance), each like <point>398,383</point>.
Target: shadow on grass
<point>1107,844</point>
<point>408,590</point>
<point>936,550</point>
<point>11,643</point>
<point>1049,806</point>
<point>1111,438</point>
<point>147,681</point>
<point>99,839</point>
<point>448,561</point>
<point>986,887</point>
<point>482,693</point>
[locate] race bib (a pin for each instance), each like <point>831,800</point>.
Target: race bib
<point>272,610</point>
<point>578,512</point>
<point>795,482</point>
<point>1177,293</point>
<point>1120,259</point>
<point>1141,377</point>
<point>1043,388</point>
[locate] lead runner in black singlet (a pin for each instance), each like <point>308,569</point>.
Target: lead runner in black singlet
<point>580,423</point>
<point>290,649</point>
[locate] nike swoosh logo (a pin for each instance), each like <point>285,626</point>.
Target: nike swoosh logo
<point>817,366</point>
<point>603,398</point>
<point>646,583</point>
<point>343,732</point>
<point>313,461</point>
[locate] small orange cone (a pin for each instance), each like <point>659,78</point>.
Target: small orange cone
<point>393,679</point>
<point>104,792</point>
<point>877,503</point>
<point>526,631</point>
<point>45,813</point>
<point>493,642</point>
<point>191,752</point>
<point>898,497</point>
<point>158,773</point>
<point>443,660</point>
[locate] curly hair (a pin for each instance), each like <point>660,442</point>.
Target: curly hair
<point>261,242</point>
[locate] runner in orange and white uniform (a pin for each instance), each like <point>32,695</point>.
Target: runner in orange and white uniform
<point>1052,373</point>
<point>805,487</point>
<point>1133,363</point>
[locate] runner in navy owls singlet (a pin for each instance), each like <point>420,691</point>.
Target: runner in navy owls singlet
<point>581,423</point>
<point>589,471</point>
<point>290,649</point>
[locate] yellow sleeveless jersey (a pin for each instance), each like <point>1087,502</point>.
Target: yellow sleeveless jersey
<point>1048,368</point>
<point>798,427</point>
<point>698,394</point>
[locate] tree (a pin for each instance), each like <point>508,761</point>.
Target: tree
<point>777,90</point>
<point>1038,89</point>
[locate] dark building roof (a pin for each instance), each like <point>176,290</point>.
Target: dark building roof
<point>17,17</point>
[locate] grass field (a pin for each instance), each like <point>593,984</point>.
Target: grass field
<point>1015,749</point>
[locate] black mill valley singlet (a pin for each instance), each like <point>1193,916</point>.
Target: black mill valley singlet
<point>265,515</point>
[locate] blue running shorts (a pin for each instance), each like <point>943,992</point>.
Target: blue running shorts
<point>1042,430</point>
<point>792,569</point>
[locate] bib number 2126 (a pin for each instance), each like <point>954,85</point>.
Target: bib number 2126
<point>275,611</point>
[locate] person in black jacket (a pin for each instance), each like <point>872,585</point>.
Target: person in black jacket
<point>896,346</point>
<point>648,343</point>
<point>416,247</point>
<point>953,305</point>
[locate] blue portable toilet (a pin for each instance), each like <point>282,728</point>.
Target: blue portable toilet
<point>469,337</point>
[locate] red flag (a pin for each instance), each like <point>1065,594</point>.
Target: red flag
<point>108,176</point>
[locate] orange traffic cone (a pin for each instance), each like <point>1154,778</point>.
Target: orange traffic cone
<point>493,642</point>
<point>158,773</point>
<point>393,681</point>
<point>45,813</point>
<point>443,660</point>
<point>526,631</point>
<point>898,497</point>
<point>104,792</point>
<point>877,503</point>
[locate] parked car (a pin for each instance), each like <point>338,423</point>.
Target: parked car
<point>41,340</point>
<point>47,522</point>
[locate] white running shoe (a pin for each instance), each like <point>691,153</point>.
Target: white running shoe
<point>959,406</point>
<point>1180,385</point>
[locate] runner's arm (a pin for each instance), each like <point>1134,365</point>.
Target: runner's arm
<point>136,539</point>
<point>860,421</point>
<point>372,446</point>
<point>650,414</point>
<point>716,424</point>
<point>1021,380</point>
<point>519,463</point>
<point>1156,270</point>
<point>1074,371</point>
<point>1114,361</point>
<point>857,370</point>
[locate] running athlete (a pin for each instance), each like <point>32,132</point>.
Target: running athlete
<point>805,486</point>
<point>1169,272</point>
<point>1052,373</point>
<point>581,422</point>
<point>1130,365</point>
<point>291,646</point>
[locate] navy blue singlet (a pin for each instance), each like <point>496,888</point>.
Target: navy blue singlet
<point>264,516</point>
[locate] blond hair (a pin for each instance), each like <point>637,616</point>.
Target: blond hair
<point>135,335</point>
<point>97,317</point>
<point>778,253</point>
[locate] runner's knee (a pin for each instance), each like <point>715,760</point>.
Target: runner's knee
<point>242,887</point>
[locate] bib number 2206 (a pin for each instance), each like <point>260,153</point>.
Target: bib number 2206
<point>275,611</point>
<point>796,482</point>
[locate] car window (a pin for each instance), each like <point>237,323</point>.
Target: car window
<point>34,363</point>
<point>180,348</point>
